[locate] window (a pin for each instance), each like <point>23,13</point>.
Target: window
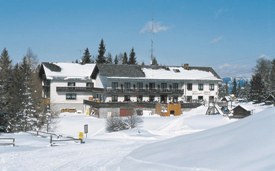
<point>200,87</point>
<point>158,87</point>
<point>114,85</point>
<point>70,96</point>
<point>127,85</point>
<point>114,98</point>
<point>211,87</point>
<point>71,84</point>
<point>200,98</point>
<point>89,84</point>
<point>127,98</point>
<point>163,86</point>
<point>175,86</point>
<point>139,85</point>
<point>151,86</point>
<point>189,99</point>
<point>189,86</point>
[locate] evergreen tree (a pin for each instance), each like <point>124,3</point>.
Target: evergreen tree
<point>257,88</point>
<point>5,93</point>
<point>17,99</point>
<point>86,58</point>
<point>226,89</point>
<point>244,91</point>
<point>238,90</point>
<point>116,60</point>
<point>132,57</point>
<point>101,51</point>
<point>263,67</point>
<point>142,63</point>
<point>272,76</point>
<point>32,114</point>
<point>234,89</point>
<point>154,61</point>
<point>109,58</point>
<point>222,90</point>
<point>125,58</point>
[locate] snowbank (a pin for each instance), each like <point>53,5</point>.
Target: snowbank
<point>244,145</point>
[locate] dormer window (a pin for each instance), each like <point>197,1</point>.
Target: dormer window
<point>71,84</point>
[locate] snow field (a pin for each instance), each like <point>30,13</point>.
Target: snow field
<point>159,143</point>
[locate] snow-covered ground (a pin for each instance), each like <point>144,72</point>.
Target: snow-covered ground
<point>192,141</point>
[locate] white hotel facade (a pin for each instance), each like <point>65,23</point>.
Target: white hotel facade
<point>67,85</point>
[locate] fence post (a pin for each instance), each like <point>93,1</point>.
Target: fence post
<point>13,142</point>
<point>51,140</point>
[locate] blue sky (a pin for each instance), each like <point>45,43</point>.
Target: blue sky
<point>226,35</point>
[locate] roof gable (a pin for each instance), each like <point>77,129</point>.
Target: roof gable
<point>67,70</point>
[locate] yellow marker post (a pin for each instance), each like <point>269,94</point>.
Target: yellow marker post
<point>81,135</point>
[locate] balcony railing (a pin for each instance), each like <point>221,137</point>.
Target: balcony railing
<point>78,89</point>
<point>141,91</point>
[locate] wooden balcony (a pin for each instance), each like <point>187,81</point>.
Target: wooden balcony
<point>79,89</point>
<point>144,91</point>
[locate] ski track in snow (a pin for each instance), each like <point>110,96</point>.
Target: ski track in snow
<point>165,167</point>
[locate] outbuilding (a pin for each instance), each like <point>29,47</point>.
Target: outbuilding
<point>240,112</point>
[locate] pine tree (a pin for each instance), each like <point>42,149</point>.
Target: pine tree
<point>132,57</point>
<point>5,93</point>
<point>109,58</point>
<point>154,61</point>
<point>257,88</point>
<point>86,58</point>
<point>272,76</point>
<point>116,60</point>
<point>238,90</point>
<point>234,89</point>
<point>16,91</point>
<point>101,51</point>
<point>263,68</point>
<point>125,58</point>
<point>31,115</point>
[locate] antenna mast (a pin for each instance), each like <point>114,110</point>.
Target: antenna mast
<point>152,33</point>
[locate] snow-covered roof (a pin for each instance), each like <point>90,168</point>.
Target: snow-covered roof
<point>68,70</point>
<point>156,72</point>
<point>178,73</point>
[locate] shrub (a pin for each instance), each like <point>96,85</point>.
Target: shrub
<point>116,123</point>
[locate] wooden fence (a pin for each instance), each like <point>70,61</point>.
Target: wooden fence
<point>7,141</point>
<point>53,141</point>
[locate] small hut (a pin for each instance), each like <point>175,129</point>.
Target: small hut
<point>240,112</point>
<point>270,99</point>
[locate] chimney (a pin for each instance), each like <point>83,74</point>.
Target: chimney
<point>186,66</point>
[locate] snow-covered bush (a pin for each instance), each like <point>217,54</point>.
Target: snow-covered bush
<point>133,121</point>
<point>116,123</point>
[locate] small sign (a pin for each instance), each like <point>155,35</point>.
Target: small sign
<point>86,128</point>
